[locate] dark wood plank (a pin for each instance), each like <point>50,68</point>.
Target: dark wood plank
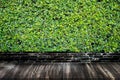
<point>91,71</point>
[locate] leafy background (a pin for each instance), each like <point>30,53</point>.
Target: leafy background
<point>60,26</point>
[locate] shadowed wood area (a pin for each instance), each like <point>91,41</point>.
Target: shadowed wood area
<point>60,57</point>
<point>59,70</point>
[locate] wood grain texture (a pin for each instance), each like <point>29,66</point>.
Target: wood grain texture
<point>71,71</point>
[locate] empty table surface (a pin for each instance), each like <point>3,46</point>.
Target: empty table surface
<point>50,71</point>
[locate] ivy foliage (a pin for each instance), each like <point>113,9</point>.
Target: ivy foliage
<point>60,26</point>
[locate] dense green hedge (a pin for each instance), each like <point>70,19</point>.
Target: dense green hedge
<point>60,25</point>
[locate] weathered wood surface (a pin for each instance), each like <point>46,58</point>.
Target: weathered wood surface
<point>58,71</point>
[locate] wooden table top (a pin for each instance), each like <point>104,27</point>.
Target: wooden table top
<point>59,70</point>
